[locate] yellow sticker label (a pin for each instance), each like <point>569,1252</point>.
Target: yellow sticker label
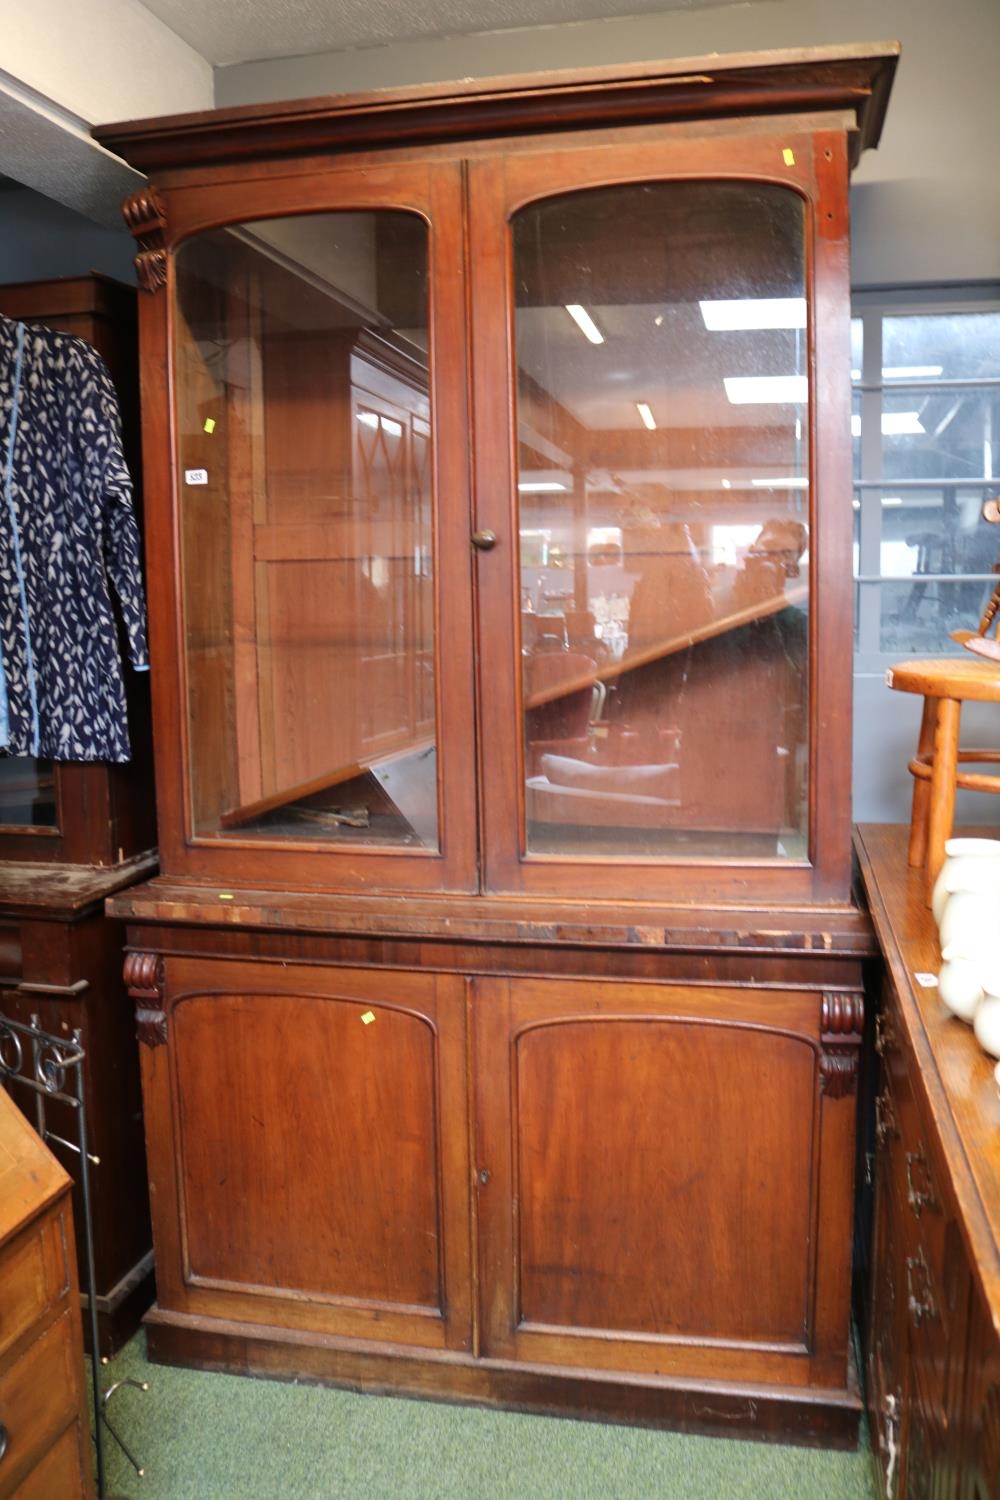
<point>788,156</point>
<point>368,1018</point>
<point>209,424</point>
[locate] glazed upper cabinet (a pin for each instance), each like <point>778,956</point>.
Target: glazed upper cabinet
<point>508,462</point>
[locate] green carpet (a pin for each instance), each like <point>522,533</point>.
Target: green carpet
<point>212,1437</point>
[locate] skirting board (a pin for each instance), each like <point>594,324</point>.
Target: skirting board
<point>812,1418</point>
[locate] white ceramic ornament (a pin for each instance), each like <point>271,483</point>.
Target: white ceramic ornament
<point>987,1025</point>
<point>971,919</point>
<point>959,985</point>
<point>958,852</point>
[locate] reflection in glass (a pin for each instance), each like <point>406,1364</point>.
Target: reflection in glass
<point>663,499</point>
<point>27,793</point>
<point>304,433</point>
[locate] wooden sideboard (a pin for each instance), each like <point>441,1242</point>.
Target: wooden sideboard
<point>44,1429</point>
<point>933,1343</point>
<point>71,835</point>
<point>60,960</point>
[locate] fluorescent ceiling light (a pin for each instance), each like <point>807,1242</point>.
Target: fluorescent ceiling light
<point>894,424</point>
<point>755,390</point>
<point>540,486</point>
<point>780,484</point>
<point>754,312</point>
<point>581,317</point>
<point>646,415</point>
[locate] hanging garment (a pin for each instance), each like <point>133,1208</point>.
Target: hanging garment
<point>66,528</point>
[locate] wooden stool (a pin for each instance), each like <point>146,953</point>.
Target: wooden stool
<point>945,685</point>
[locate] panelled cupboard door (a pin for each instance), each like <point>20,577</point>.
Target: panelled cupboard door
<point>667,314</point>
<point>316,332</point>
<point>321,1156</point>
<point>650,1161</point>
<point>977,1433</point>
<point>888,1311</point>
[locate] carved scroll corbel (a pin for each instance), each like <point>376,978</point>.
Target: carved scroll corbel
<point>146,216</point>
<point>144,982</point>
<point>843,1024</point>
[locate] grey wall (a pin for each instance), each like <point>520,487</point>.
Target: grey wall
<point>926,204</point>
<point>41,239</point>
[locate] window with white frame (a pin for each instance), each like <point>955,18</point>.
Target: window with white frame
<point>926,432</point>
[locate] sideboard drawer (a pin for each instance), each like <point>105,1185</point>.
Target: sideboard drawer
<point>38,1397</point>
<point>34,1274</point>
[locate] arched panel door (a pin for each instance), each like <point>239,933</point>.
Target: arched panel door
<point>668,1215</point>
<point>319,1171</point>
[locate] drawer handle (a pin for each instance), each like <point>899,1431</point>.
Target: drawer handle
<point>919,1294</point>
<point>890,1414</point>
<point>885,1119</point>
<point>919,1197</point>
<point>884,1034</point>
<point>4,1440</point>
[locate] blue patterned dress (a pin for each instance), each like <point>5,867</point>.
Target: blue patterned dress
<point>67,528</point>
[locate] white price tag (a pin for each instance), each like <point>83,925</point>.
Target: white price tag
<point>195,476</point>
<point>926,981</point>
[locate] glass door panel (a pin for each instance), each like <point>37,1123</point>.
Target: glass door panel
<point>305,433</point>
<point>662,381</point>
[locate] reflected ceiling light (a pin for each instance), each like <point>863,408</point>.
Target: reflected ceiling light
<point>754,390</point>
<point>911,372</point>
<point>540,486</point>
<point>581,317</point>
<point>894,424</point>
<point>780,484</point>
<point>727,484</point>
<point>646,415</point>
<point>754,312</point>
<point>892,500</point>
<point>855,374</point>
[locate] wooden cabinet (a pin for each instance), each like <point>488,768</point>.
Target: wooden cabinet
<point>500,997</point>
<point>70,836</point>
<point>933,1344</point>
<point>44,1431</point>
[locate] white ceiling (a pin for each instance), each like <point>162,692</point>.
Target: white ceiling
<point>233,31</point>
